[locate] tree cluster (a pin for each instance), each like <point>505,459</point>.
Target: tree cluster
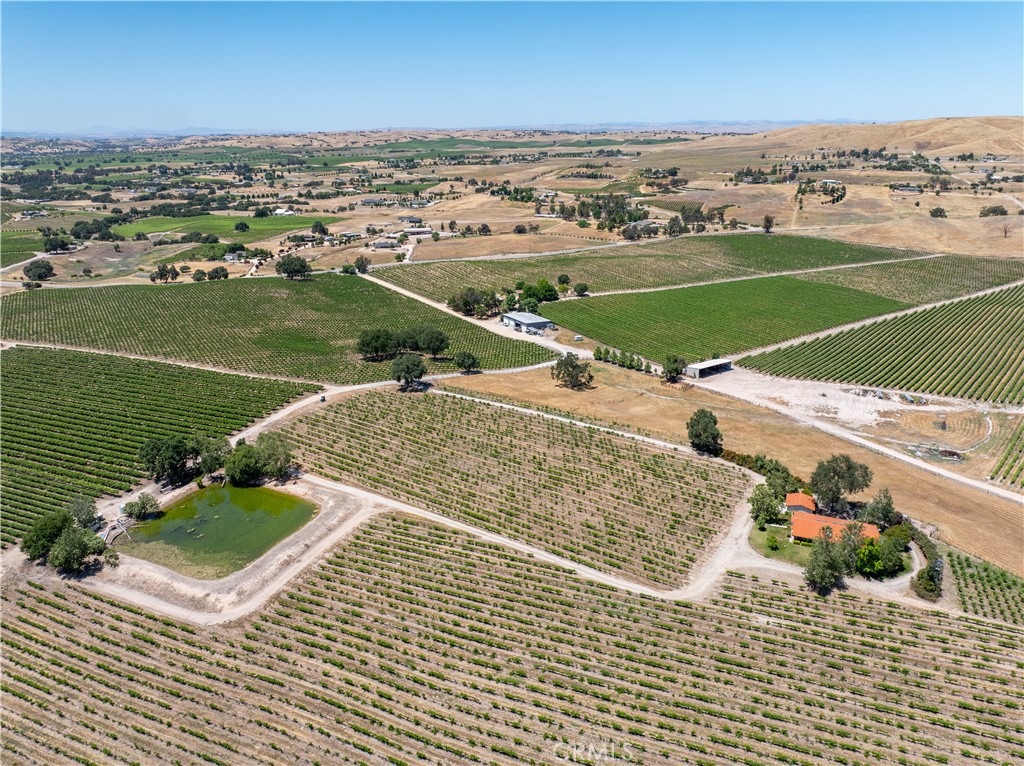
<point>176,459</point>
<point>270,455</point>
<point>64,538</point>
<point>293,267</point>
<point>38,270</point>
<point>378,344</point>
<point>702,430</point>
<point>572,373</point>
<point>836,477</point>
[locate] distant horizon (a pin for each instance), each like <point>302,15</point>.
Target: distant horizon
<point>104,132</point>
<point>108,131</point>
<point>306,67</point>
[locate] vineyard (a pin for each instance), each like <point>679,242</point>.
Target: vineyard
<point>18,246</point>
<point>414,644</point>
<point>711,320</point>
<point>223,226</point>
<point>299,329</point>
<point>926,280</point>
<point>1010,468</point>
<point>972,349</point>
<point>602,500</point>
<point>658,264</point>
<point>72,423</point>
<point>987,590</point>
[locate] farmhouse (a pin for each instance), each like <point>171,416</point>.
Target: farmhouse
<point>386,244</point>
<point>524,320</point>
<point>807,526</point>
<point>374,202</point>
<point>284,211</point>
<point>414,230</point>
<point>415,220</point>
<point>710,367</point>
<point>798,501</point>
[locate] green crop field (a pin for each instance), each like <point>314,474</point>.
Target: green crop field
<point>987,590</point>
<point>224,226</point>
<point>711,320</point>
<point>926,280</point>
<point>1010,468</point>
<point>18,246</point>
<point>973,348</point>
<point>599,499</point>
<point>72,423</point>
<point>680,261</point>
<point>413,644</point>
<point>299,329</point>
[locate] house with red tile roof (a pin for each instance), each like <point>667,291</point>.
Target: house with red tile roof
<point>807,526</point>
<point>798,501</point>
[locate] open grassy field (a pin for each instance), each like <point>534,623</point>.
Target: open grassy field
<point>224,226</point>
<point>17,246</point>
<point>712,320</point>
<point>297,329</point>
<point>982,524</point>
<point>414,644</point>
<point>927,280</point>
<point>679,261</point>
<point>72,423</point>
<point>601,500</point>
<point>972,349</point>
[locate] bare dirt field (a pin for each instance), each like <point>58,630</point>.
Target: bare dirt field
<point>987,526</point>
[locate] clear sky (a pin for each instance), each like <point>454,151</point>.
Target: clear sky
<point>336,66</point>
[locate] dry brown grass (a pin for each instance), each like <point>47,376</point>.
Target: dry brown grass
<point>984,525</point>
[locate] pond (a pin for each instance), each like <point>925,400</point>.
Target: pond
<point>217,530</point>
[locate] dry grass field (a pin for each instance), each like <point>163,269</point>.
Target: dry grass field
<point>985,525</point>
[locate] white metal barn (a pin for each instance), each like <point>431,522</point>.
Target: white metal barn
<point>710,367</point>
<point>524,320</point>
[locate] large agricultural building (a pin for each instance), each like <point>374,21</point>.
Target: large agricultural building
<point>524,320</point>
<point>710,367</point>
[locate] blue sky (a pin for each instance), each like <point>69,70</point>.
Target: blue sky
<point>336,66</point>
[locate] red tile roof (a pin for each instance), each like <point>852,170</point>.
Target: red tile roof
<point>800,500</point>
<point>807,526</point>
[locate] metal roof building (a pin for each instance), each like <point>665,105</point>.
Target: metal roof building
<point>710,367</point>
<point>524,320</point>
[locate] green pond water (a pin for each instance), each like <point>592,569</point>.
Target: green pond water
<point>217,530</point>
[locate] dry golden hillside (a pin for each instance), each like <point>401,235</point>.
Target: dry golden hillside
<point>950,136</point>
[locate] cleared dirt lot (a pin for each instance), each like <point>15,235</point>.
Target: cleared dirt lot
<point>986,526</point>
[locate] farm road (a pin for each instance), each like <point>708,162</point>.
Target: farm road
<point>490,324</point>
<point>206,602</point>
